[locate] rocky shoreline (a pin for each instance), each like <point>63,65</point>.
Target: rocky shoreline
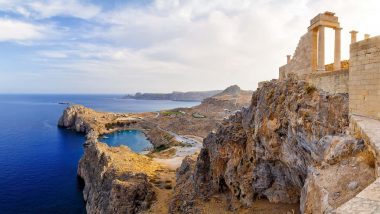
<point>290,150</point>
<point>117,180</point>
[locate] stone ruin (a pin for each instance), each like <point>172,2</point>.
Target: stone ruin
<point>308,61</point>
<point>359,77</point>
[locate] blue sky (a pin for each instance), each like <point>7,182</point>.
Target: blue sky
<point>118,46</point>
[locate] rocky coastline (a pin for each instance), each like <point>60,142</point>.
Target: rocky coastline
<point>117,180</point>
<point>289,150</point>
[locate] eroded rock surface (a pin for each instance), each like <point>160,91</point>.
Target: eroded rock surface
<point>290,135</point>
<point>116,179</point>
<point>72,118</point>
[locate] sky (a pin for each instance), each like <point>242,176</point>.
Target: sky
<point>128,46</point>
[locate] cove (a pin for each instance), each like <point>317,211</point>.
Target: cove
<point>134,139</point>
<point>39,161</point>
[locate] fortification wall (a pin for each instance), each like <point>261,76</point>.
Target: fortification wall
<point>300,64</point>
<point>364,78</point>
<point>331,81</point>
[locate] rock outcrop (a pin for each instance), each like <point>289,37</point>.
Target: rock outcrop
<point>290,144</point>
<point>73,118</point>
<point>94,123</point>
<point>116,179</point>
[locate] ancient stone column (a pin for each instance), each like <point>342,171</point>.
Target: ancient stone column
<point>321,49</point>
<point>337,54</point>
<point>314,49</point>
<point>366,36</point>
<point>353,36</point>
<point>288,57</point>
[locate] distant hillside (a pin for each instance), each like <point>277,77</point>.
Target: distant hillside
<point>233,90</point>
<point>175,96</point>
<point>232,98</point>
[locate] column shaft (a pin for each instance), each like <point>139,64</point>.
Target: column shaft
<point>314,49</point>
<point>353,36</point>
<point>337,49</point>
<point>321,49</point>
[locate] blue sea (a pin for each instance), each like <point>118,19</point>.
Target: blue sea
<point>38,160</point>
<point>134,139</point>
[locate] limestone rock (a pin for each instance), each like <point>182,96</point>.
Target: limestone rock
<point>352,185</point>
<point>71,118</point>
<point>184,197</point>
<point>268,149</point>
<point>116,179</point>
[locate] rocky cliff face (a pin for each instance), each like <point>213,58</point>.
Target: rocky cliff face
<point>290,145</point>
<point>72,118</point>
<point>116,179</point>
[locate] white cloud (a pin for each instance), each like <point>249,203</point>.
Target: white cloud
<point>183,45</point>
<point>42,9</point>
<point>71,8</point>
<point>13,30</point>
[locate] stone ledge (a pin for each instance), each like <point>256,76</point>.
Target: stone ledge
<point>372,192</point>
<point>370,129</point>
<point>358,205</point>
<point>368,200</point>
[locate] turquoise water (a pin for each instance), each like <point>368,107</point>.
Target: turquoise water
<point>38,160</point>
<point>134,139</point>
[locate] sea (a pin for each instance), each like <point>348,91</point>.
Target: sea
<point>38,160</point>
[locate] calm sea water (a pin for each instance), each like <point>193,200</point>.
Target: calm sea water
<point>38,161</point>
<point>134,139</point>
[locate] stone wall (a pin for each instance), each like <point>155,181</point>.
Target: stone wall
<point>333,82</point>
<point>301,61</point>
<point>364,78</point>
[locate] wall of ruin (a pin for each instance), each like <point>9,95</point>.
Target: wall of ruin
<point>330,81</point>
<point>364,78</point>
<point>301,60</point>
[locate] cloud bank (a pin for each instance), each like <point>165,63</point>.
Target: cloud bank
<point>162,45</point>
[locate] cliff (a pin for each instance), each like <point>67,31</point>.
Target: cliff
<point>175,96</point>
<point>291,145</point>
<point>116,179</point>
<point>74,117</point>
<point>94,123</point>
<point>288,150</point>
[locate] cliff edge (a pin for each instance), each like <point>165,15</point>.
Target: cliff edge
<point>116,179</point>
<point>291,145</point>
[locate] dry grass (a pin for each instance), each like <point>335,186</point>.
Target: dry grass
<point>122,159</point>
